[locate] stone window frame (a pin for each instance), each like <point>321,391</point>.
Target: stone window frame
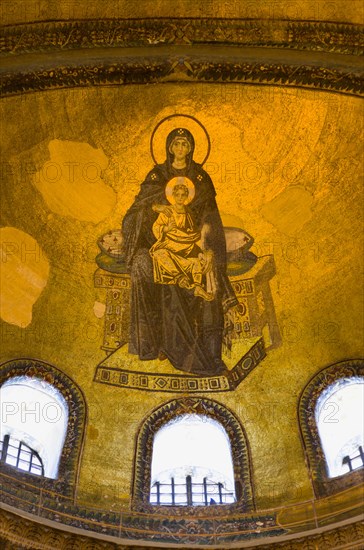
<point>68,471</point>
<point>240,451</point>
<point>323,485</point>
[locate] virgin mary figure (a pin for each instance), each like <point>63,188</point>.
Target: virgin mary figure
<point>169,320</point>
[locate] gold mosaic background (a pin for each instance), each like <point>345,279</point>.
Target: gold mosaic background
<point>286,165</point>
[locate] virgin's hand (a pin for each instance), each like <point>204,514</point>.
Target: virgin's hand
<point>162,209</point>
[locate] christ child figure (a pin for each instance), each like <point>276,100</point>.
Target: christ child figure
<point>177,255</point>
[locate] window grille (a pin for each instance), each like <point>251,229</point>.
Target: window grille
<point>190,493</point>
<point>16,453</point>
<point>354,461</point>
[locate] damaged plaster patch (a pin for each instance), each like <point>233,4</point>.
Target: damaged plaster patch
<point>24,275</point>
<point>71,181</point>
<point>289,210</point>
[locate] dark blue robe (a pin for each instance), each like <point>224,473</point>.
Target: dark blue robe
<point>166,318</point>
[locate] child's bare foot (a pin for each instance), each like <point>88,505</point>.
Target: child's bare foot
<point>199,291</point>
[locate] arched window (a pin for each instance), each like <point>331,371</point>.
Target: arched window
<point>340,420</point>
<point>192,452</point>
<point>43,415</point>
<point>18,454</point>
<point>331,412</point>
<point>34,420</point>
<point>192,463</point>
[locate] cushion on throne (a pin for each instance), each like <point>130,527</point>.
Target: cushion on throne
<point>238,243</point>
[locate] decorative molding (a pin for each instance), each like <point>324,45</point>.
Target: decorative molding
<point>323,485</point>
<point>149,51</point>
<point>192,68</point>
<point>21,533</point>
<point>66,482</point>
<point>51,36</point>
<point>202,530</point>
<point>348,537</point>
<point>239,450</point>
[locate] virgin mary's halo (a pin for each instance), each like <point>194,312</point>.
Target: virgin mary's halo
<point>166,125</point>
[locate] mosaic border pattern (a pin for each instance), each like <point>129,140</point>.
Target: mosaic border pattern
<point>323,485</point>
<point>182,68</point>
<point>236,51</point>
<point>239,450</point>
<point>66,482</point>
<point>179,383</point>
<point>343,38</point>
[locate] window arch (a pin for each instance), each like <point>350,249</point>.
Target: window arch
<point>339,416</point>
<point>332,426</point>
<point>197,478</point>
<point>192,463</point>
<point>34,414</point>
<point>42,428</point>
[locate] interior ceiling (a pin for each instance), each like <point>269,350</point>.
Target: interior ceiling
<point>285,163</point>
